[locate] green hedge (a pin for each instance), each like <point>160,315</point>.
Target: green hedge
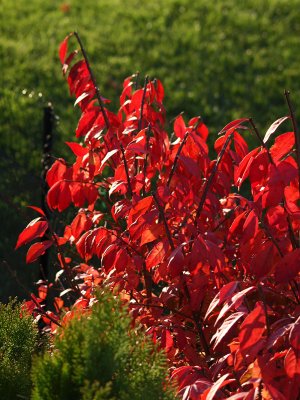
<point>99,356</point>
<point>19,340</point>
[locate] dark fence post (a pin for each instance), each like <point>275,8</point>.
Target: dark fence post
<point>48,127</point>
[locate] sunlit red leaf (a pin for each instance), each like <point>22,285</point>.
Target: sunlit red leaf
<point>63,48</point>
<point>179,127</point>
<point>252,330</point>
<point>35,229</point>
<point>157,254</point>
<point>59,196</point>
<point>274,127</point>
<point>77,149</point>
<point>234,124</point>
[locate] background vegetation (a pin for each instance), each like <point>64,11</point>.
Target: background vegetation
<point>221,60</point>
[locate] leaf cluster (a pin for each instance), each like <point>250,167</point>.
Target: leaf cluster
<point>212,272</point>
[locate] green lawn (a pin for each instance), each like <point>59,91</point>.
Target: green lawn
<point>221,60</point>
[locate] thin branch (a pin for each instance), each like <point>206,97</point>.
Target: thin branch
<point>142,104</point>
<point>98,94</point>
<point>126,170</point>
<point>211,178</point>
<point>261,140</point>
<point>146,159</point>
<point>176,158</point>
<point>163,217</point>
<point>263,299</point>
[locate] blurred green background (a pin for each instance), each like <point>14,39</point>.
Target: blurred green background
<point>222,60</point>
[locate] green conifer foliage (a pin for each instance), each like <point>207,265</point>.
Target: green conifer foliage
<point>18,342</point>
<point>100,355</point>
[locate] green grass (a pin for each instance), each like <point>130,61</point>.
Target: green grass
<point>221,60</point>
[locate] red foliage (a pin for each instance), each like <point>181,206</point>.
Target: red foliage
<point>211,274</point>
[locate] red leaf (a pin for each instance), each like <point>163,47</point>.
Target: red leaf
<point>225,328</point>
<point>243,170</point>
<point>252,330</point>
<point>222,381</point>
<point>80,224</point>
<point>139,144</point>
<point>234,124</point>
<point>295,335</point>
<point>39,210</point>
<point>288,267</point>
<point>151,233</point>
<point>179,127</point>
<point>224,294</point>
<point>59,196</point>
<point>186,375</point>
<point>166,340</point>
<point>36,250</point>
<point>261,263</point>
<point>77,149</point>
<point>33,230</point>
<point>157,254</point>
<point>57,172</point>
<point>274,127</point>
<point>235,302</point>
<point>139,209</point>
<point>43,289</point>
<point>67,61</point>
<point>63,48</point>
<point>87,120</point>
<point>282,146</point>
<point>176,262</point>
<point>108,155</point>
<point>291,364</point>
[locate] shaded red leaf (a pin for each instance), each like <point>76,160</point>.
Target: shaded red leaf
<point>225,293</point>
<point>36,250</point>
<point>39,210</point>
<point>295,335</point>
<point>222,381</point>
<point>288,267</point>
<point>225,328</point>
